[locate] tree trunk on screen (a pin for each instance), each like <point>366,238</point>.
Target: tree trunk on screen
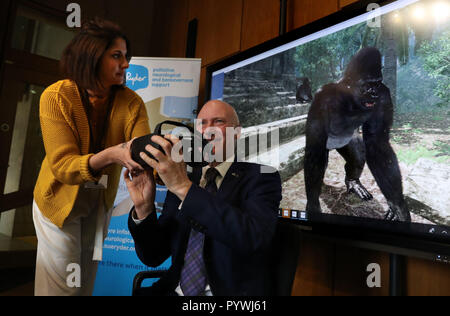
<point>389,52</point>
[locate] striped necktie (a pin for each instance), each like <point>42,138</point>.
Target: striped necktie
<point>193,273</point>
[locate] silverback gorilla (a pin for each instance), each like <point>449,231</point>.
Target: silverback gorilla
<point>337,112</point>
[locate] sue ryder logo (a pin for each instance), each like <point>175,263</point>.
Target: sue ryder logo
<point>137,77</point>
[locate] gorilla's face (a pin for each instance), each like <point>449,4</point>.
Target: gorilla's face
<point>366,92</point>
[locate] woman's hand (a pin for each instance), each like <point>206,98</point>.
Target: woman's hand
<point>142,189</point>
<point>119,154</point>
<point>122,156</point>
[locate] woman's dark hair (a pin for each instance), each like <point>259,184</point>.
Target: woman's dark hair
<point>80,60</point>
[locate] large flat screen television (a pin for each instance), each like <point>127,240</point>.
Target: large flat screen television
<point>273,86</point>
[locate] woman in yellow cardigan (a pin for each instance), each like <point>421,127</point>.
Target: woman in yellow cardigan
<point>88,122</point>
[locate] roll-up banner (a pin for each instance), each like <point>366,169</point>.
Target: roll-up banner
<point>169,88</point>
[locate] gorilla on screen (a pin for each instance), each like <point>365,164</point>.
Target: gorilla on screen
<point>304,91</point>
<point>337,111</point>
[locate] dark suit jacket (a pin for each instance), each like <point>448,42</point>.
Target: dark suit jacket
<point>239,224</point>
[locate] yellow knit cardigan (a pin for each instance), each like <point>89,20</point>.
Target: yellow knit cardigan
<point>66,135</point>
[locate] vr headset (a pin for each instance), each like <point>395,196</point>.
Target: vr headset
<point>193,145</point>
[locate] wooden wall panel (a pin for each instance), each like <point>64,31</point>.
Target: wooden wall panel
<point>219,28</point>
<point>333,269</point>
<point>301,12</point>
<point>314,274</point>
<point>343,3</point>
<point>350,277</point>
<point>169,29</point>
<point>425,277</point>
<point>136,25</point>
<point>260,22</point>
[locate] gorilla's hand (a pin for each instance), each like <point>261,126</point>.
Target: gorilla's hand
<point>397,213</point>
<point>355,186</point>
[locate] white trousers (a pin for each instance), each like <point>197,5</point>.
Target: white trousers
<point>64,262</point>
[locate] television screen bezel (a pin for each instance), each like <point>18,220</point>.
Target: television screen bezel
<point>383,236</point>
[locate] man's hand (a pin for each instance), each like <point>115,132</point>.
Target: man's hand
<point>172,173</point>
<point>142,190</point>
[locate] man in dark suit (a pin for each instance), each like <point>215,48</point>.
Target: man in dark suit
<point>217,224</point>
